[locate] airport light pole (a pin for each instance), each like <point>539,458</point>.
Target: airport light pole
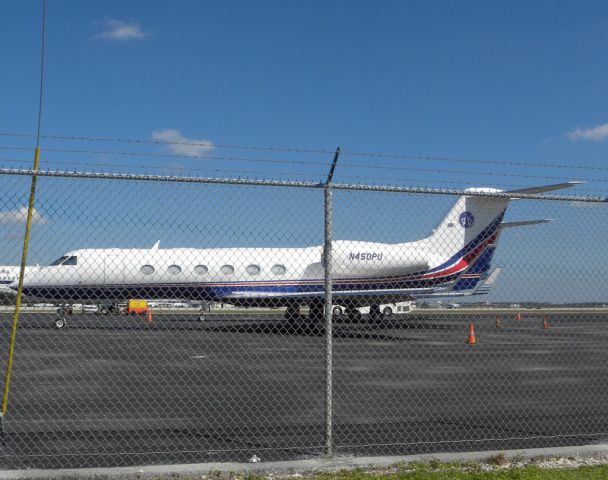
<point>328,315</point>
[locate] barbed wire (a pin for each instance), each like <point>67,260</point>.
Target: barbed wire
<point>314,151</point>
<point>207,144</point>
<point>171,155</point>
<point>296,183</point>
<point>477,161</point>
<point>385,180</point>
<point>298,162</point>
<point>269,173</point>
<point>320,175</point>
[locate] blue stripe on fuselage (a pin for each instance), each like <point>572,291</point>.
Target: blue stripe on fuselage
<point>480,267</point>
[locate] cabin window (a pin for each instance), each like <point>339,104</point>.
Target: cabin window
<point>174,269</point>
<point>279,269</point>
<point>201,270</point>
<point>227,269</point>
<point>253,269</point>
<point>147,269</point>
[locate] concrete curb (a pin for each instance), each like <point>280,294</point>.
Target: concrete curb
<point>291,467</point>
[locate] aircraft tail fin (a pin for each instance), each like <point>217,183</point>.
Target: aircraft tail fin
<point>471,224</point>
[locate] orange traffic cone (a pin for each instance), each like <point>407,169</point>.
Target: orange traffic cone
<point>498,325</point>
<point>471,340</point>
<point>149,314</point>
<point>545,322</point>
<point>518,316</point>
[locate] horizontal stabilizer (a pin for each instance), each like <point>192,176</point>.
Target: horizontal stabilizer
<point>492,277</point>
<point>484,288</point>
<point>523,223</point>
<point>546,188</point>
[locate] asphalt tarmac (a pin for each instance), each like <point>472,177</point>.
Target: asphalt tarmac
<point>119,390</point>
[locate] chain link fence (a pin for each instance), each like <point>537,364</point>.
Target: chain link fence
<point>171,320</point>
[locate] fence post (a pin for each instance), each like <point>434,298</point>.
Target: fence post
<point>24,251</point>
<point>328,315</point>
<point>26,238</point>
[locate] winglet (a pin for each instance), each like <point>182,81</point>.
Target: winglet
<point>156,245</point>
<point>546,188</point>
<point>523,223</point>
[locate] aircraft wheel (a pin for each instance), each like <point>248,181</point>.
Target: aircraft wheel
<point>59,323</point>
<point>104,310</point>
<point>337,311</point>
<point>316,312</point>
<point>387,311</point>
<point>202,317</point>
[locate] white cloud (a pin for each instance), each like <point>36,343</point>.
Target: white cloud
<point>596,134</point>
<point>121,31</point>
<point>180,145</point>
<point>20,216</point>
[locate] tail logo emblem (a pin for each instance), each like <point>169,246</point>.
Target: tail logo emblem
<point>466,219</point>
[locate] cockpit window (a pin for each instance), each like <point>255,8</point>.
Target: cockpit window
<point>59,261</point>
<point>65,260</point>
<point>71,261</point>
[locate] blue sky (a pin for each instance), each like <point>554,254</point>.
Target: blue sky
<point>479,80</point>
<point>510,81</point>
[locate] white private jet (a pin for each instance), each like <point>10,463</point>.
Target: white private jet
<point>453,259</point>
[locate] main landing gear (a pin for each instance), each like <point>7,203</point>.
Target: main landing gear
<point>316,312</point>
<point>313,324</point>
<point>59,322</point>
<point>292,313</point>
<point>351,314</point>
<point>375,315</point>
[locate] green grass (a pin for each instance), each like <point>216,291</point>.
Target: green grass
<point>494,469</point>
<point>472,471</point>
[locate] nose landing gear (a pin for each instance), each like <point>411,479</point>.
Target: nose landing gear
<point>62,311</point>
<point>59,322</point>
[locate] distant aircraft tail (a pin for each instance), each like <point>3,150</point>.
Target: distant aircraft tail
<point>485,285</point>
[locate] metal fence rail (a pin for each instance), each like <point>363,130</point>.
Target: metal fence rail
<point>297,320</point>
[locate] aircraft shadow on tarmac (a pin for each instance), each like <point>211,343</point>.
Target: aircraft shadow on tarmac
<point>365,329</point>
